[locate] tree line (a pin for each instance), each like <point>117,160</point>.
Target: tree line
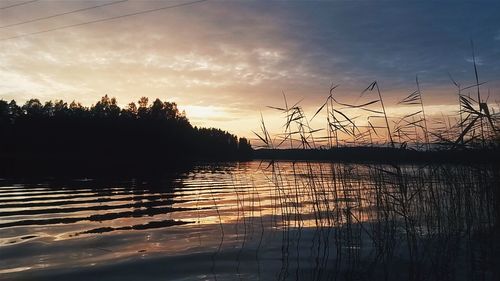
<point>104,136</point>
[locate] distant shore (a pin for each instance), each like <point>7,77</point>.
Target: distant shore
<point>382,155</point>
<point>57,165</point>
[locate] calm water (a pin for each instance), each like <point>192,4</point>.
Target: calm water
<point>257,221</point>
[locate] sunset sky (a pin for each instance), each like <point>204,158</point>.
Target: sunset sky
<point>223,62</point>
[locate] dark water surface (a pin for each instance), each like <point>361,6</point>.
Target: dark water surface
<point>257,221</point>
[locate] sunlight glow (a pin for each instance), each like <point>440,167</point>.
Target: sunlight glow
<point>195,112</point>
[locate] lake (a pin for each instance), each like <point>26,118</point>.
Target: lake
<point>257,221</point>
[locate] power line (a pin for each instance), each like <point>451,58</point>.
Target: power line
<point>102,20</point>
<point>62,14</point>
<point>18,4</point>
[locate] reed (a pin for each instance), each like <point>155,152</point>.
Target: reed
<point>426,218</point>
<point>477,124</point>
<point>418,213</point>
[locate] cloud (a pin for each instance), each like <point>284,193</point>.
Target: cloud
<point>236,54</point>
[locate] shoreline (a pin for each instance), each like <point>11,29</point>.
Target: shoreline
<point>382,155</point>
<point>66,166</point>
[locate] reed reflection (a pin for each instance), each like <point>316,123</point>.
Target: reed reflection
<point>262,221</point>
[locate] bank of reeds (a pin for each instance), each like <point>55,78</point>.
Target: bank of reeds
<point>385,222</point>
<point>433,221</point>
<point>475,124</point>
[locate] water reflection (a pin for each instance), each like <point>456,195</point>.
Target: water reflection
<point>258,221</point>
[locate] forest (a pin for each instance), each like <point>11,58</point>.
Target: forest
<point>60,136</point>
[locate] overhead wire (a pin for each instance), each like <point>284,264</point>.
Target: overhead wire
<point>18,4</point>
<point>102,20</point>
<point>63,14</point>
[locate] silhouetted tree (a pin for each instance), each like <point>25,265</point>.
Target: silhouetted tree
<point>130,112</point>
<point>33,107</point>
<point>4,111</point>
<point>244,148</point>
<point>14,110</point>
<point>142,111</point>
<point>105,136</point>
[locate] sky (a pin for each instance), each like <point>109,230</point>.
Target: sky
<point>224,62</point>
